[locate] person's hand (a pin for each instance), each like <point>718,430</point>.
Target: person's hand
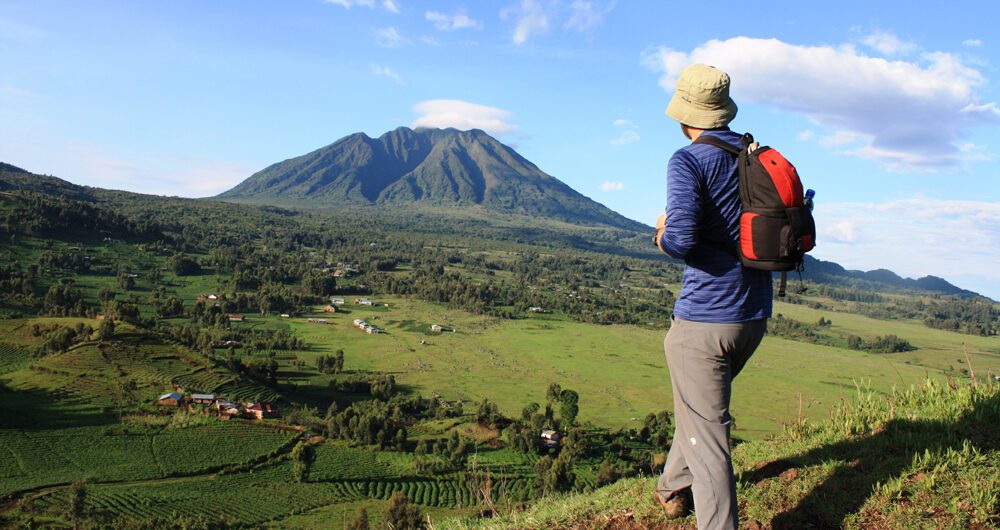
<point>661,224</point>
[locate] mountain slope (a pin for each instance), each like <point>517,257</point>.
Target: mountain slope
<point>441,167</point>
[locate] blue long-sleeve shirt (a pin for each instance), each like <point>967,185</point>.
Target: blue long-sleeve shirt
<point>703,211</point>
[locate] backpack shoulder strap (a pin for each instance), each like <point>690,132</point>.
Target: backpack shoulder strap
<point>717,142</point>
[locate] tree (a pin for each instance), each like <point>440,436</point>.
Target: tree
<point>125,390</point>
<point>569,407</point>
<point>303,456</point>
<point>553,394</point>
<point>561,476</point>
<point>360,521</point>
<point>401,514</point>
<point>77,498</point>
<point>606,474</point>
<point>182,265</point>
<point>107,328</point>
<point>542,468</point>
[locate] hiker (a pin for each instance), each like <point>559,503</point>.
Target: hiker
<point>721,313</point>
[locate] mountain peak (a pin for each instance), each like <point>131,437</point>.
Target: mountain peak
<point>443,167</point>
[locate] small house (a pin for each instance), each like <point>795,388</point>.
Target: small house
<point>227,408</point>
<point>550,438</point>
<point>172,399</point>
<point>330,309</point>
<point>364,301</point>
<point>261,410</point>
<point>436,328</point>
<point>337,301</point>
<point>284,315</point>
<point>317,320</point>
<point>536,309</point>
<point>203,399</point>
<point>235,318</point>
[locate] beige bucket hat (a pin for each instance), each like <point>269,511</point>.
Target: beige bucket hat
<point>702,98</point>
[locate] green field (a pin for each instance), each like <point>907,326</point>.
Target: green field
<point>620,371</point>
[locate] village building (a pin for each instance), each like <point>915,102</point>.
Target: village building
<point>235,318</point>
<point>550,438</point>
<point>284,315</point>
<point>536,309</point>
<point>227,409</point>
<point>436,328</point>
<point>317,320</point>
<point>172,399</point>
<point>337,301</point>
<point>330,309</point>
<point>203,399</point>
<point>261,410</point>
<point>364,301</point>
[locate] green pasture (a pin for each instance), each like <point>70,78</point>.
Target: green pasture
<point>619,371</point>
<point>937,350</point>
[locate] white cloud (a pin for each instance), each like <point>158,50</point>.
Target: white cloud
<point>385,71</point>
<point>445,22</point>
<point>530,20</point>
<point>972,43</point>
<point>389,5</point>
<point>805,135</point>
<point>612,186</point>
<point>839,138</point>
<point>888,43</point>
<point>627,136</point>
<point>463,115</point>
<point>911,115</point>
<point>914,237</point>
<point>583,16</point>
<point>19,92</point>
<point>389,38</point>
<point>172,175</point>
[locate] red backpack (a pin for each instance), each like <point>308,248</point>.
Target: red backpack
<point>776,226</point>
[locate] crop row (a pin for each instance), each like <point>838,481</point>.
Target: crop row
<point>38,457</point>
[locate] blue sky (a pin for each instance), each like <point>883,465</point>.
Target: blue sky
<point>890,114</point>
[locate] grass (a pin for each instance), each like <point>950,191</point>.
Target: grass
<point>619,371</point>
<point>927,456</point>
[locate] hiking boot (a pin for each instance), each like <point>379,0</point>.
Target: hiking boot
<point>677,506</point>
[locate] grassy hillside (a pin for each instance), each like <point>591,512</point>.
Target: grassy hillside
<point>924,457</point>
<point>619,371</point>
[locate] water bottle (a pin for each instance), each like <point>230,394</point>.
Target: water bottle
<point>807,201</point>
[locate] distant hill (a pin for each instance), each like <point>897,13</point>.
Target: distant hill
<point>830,272</point>
<point>513,225</point>
<point>15,178</point>
<point>440,167</point>
<point>5,167</point>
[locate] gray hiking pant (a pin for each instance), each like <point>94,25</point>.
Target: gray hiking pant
<point>703,359</point>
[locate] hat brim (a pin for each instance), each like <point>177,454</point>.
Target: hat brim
<point>694,115</point>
